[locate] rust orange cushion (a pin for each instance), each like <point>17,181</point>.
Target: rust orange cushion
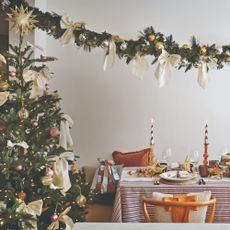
<point>138,158</point>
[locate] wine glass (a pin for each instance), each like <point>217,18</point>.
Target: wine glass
<point>167,156</point>
<point>194,158</point>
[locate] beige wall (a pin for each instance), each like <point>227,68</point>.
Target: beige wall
<point>112,110</point>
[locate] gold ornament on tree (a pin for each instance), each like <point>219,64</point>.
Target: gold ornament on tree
<point>23,113</point>
<point>80,199</point>
<point>22,19</point>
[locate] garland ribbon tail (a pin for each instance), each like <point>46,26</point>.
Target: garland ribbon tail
<point>66,23</point>
<point>65,139</point>
<point>202,78</point>
<point>140,66</point>
<point>163,70</point>
<point>34,208</point>
<point>61,171</point>
<point>110,55</point>
<point>64,219</point>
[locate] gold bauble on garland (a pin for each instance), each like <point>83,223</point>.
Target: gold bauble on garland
<point>203,50</point>
<point>151,37</point>
<point>4,86</point>
<point>185,46</point>
<point>23,113</point>
<point>81,200</point>
<point>159,45</point>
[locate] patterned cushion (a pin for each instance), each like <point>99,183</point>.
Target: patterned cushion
<point>160,214</point>
<point>138,158</point>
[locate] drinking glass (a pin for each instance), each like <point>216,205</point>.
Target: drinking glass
<point>194,158</point>
<point>167,156</point>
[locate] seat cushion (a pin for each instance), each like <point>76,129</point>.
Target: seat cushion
<point>160,214</point>
<point>138,158</point>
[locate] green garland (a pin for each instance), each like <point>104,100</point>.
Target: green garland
<point>149,41</point>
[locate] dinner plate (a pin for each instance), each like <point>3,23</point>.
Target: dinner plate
<point>173,176</point>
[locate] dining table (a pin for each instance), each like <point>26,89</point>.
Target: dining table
<point>128,205</point>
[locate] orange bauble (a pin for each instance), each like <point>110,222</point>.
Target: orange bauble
<point>22,195</point>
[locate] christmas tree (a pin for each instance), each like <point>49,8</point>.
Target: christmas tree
<point>40,185</point>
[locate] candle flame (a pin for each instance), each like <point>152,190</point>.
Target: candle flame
<point>206,122</point>
<point>152,121</point>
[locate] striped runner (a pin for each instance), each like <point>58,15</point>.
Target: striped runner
<point>127,205</point>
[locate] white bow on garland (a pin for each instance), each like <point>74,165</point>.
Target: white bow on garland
<point>163,70</point>
<point>110,55</point>
<point>40,79</point>
<point>34,208</point>
<point>61,170</point>
<point>67,24</point>
<point>140,65</point>
<point>65,139</point>
<point>203,67</point>
<point>64,219</point>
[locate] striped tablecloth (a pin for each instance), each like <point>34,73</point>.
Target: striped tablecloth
<point>127,205</point>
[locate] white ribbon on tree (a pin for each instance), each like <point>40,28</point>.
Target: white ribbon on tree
<point>40,79</point>
<point>65,139</point>
<point>140,65</point>
<point>203,67</point>
<point>4,97</point>
<point>163,70</point>
<point>34,209</point>
<point>110,55</point>
<point>22,144</point>
<point>61,170</point>
<point>70,26</point>
<point>64,219</point>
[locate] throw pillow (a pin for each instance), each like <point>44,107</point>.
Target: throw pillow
<point>160,214</point>
<point>138,158</point>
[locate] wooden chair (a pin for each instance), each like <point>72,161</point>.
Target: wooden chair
<point>180,207</point>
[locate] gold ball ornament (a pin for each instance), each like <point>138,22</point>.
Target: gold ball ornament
<point>151,37</point>
<point>23,113</point>
<point>159,45</point>
<point>4,85</point>
<point>203,50</point>
<point>185,46</point>
<point>81,200</point>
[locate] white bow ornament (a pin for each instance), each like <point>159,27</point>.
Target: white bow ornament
<point>34,208</point>
<point>22,144</point>
<point>202,77</point>
<point>4,97</point>
<point>140,65</point>
<point>163,70</point>
<point>66,23</point>
<point>61,170</point>
<point>110,55</point>
<point>64,219</point>
<point>65,139</point>
<point>40,79</point>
